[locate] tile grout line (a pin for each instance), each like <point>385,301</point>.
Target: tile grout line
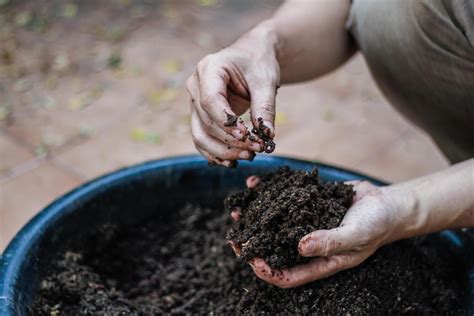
<point>21,169</point>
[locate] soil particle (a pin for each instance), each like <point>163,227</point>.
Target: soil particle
<point>231,120</point>
<point>280,209</point>
<point>263,132</point>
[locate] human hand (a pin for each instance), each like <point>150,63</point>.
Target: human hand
<point>368,224</point>
<point>226,84</point>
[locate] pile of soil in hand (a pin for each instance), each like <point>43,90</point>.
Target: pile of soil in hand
<point>282,208</point>
<point>183,265</point>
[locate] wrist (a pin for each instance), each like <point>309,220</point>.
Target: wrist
<point>408,219</point>
<point>263,38</point>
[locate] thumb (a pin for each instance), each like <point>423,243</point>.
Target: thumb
<point>262,107</point>
<point>323,243</point>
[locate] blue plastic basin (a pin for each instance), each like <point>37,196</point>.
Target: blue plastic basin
<point>131,194</point>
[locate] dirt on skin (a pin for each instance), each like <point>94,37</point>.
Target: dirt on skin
<point>261,133</point>
<point>282,208</point>
<point>183,265</point>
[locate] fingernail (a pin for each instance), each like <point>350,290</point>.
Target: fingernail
<point>270,126</point>
<point>256,147</point>
<point>235,214</point>
<point>252,181</point>
<point>230,163</point>
<point>307,246</point>
<point>245,155</point>
<point>237,133</point>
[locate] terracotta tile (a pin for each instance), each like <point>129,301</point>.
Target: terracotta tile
<point>11,153</point>
<point>165,132</point>
<point>413,154</point>
<point>342,129</point>
<point>24,196</point>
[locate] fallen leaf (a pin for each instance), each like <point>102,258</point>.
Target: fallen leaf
<point>41,151</point>
<point>52,140</point>
<point>77,102</point>
<point>207,3</point>
<point>46,102</point>
<point>281,118</point>
<point>95,93</point>
<point>23,18</point>
<point>205,40</point>
<point>137,12</point>
<point>169,12</point>
<point>328,115</point>
<point>51,82</point>
<point>162,95</point>
<point>23,85</point>
<point>140,135</point>
<point>7,56</point>
<point>69,10</point>
<point>4,112</point>
<point>86,131</point>
<point>61,62</point>
<point>172,66</point>
<point>114,61</point>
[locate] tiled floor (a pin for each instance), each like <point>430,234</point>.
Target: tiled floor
<point>70,110</point>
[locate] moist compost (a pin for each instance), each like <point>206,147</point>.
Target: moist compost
<point>185,266</point>
<point>181,264</point>
<point>282,208</point>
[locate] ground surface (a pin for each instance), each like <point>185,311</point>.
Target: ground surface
<point>184,266</point>
<point>87,87</point>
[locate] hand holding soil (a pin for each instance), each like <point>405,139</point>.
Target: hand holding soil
<point>363,229</point>
<point>241,77</point>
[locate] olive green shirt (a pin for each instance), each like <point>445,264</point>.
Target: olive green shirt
<point>421,54</point>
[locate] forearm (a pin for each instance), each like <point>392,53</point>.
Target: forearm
<point>443,200</point>
<point>309,37</point>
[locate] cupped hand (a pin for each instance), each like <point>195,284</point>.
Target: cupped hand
<point>367,225</point>
<point>225,85</point>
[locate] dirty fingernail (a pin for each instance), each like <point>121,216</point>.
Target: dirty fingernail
<point>235,214</point>
<point>270,126</point>
<point>252,181</point>
<point>256,147</point>
<point>245,155</point>
<point>307,247</point>
<point>237,133</point>
<point>230,163</point>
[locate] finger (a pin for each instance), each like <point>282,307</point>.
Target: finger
<point>263,107</point>
<point>329,242</point>
<point>235,214</point>
<point>362,188</point>
<point>235,248</point>
<point>214,161</point>
<point>316,269</point>
<point>237,137</point>
<point>252,181</point>
<point>230,140</point>
<point>236,134</point>
<point>215,147</point>
<point>212,83</point>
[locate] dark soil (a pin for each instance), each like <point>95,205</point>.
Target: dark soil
<point>285,206</point>
<point>183,265</point>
